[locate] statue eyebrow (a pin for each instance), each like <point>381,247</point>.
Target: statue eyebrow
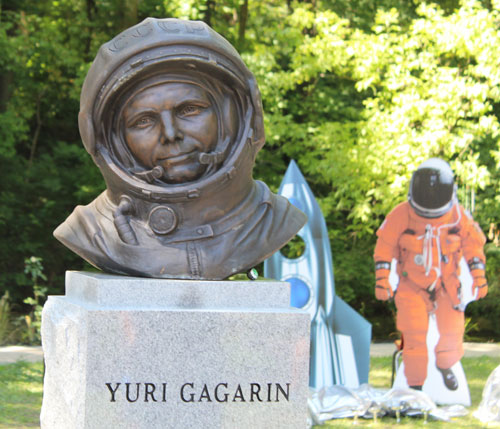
<point>195,101</point>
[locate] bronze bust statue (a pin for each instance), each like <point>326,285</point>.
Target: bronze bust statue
<point>173,119</point>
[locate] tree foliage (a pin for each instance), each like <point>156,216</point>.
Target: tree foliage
<point>357,92</point>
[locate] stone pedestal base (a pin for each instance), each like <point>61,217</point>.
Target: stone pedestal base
<point>123,352</point>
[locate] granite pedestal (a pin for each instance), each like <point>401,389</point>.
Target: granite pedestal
<point>124,352</point>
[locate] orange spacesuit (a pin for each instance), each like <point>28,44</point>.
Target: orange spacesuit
<point>428,251</point>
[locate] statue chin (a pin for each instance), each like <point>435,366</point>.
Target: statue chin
<point>181,173</point>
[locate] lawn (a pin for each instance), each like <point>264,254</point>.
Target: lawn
<point>21,395</point>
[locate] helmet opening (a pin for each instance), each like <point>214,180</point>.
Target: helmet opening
<point>227,103</point>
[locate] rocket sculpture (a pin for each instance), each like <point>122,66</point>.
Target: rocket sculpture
<point>340,337</point>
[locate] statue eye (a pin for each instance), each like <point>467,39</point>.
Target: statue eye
<point>143,122</point>
<point>189,110</point>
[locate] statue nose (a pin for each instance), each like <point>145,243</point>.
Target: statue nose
<point>170,130</point>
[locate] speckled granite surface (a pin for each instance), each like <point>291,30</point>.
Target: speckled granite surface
<point>145,353</point>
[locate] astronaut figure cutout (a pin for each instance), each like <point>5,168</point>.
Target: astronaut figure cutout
<point>426,240</point>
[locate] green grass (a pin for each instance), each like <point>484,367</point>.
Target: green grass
<point>477,371</point>
<point>21,395</point>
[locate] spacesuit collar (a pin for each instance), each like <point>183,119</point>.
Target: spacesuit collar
<point>445,218</point>
<point>172,223</point>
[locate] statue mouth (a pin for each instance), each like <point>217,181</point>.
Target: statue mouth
<point>176,159</point>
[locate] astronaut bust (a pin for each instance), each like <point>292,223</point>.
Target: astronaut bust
<point>173,119</point>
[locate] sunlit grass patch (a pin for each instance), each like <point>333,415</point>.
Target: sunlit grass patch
<point>20,395</point>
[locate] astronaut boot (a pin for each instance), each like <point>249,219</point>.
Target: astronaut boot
<point>450,381</point>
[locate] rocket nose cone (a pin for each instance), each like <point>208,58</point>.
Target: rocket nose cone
<point>293,174</point>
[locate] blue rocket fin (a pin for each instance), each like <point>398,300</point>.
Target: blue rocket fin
<point>347,321</point>
<point>323,369</point>
<point>313,289</point>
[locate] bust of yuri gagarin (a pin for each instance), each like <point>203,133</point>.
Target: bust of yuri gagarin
<point>173,119</point>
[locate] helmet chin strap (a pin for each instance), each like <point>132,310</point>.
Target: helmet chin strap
<point>214,158</point>
<point>150,175</point>
<point>208,158</point>
<point>205,158</point>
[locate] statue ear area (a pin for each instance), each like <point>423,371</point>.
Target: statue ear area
<point>229,117</point>
<point>86,128</point>
<point>258,116</point>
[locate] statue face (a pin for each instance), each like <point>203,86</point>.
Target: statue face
<point>170,125</point>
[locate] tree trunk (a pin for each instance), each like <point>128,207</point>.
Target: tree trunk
<point>130,16</point>
<point>91,13</point>
<point>209,11</point>
<point>5,86</point>
<point>36,135</point>
<point>242,23</point>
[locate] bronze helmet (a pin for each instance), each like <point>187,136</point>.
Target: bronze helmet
<point>215,224</point>
<point>181,48</point>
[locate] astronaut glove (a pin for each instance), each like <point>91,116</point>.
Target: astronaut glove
<point>383,289</point>
<point>479,283</point>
